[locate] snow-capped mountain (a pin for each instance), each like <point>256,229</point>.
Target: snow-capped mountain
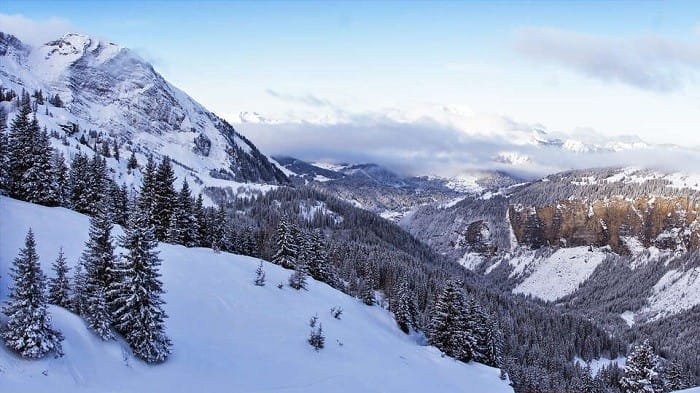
<point>108,89</point>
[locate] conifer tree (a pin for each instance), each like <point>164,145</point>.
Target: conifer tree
<point>60,178</point>
<point>115,149</point>
<point>183,223</point>
<point>260,275</point>
<point>164,198</point>
<point>674,377</point>
<point>642,374</point>
<point>100,272</point>
<point>59,286</point>
<point>78,184</point>
<point>298,278</point>
<point>447,329</point>
<point>28,331</point>
<point>286,245</point>
<point>201,220</point>
<point>139,315</point>
<point>4,160</point>
<point>404,308</point>
<point>132,163</point>
<point>78,299</point>
<point>29,161</point>
<point>317,258</point>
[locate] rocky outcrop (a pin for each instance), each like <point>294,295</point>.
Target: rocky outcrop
<point>622,224</point>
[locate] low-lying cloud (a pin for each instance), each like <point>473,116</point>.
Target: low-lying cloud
<point>649,62</point>
<point>423,148</point>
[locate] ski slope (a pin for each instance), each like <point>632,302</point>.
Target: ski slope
<point>228,334</point>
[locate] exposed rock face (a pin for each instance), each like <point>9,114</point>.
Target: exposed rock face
<point>477,239</point>
<point>109,89</point>
<point>622,224</point>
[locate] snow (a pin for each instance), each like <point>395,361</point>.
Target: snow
<point>560,274</point>
<point>676,291</point>
<point>691,390</point>
<point>628,317</point>
<point>597,364</point>
<point>228,334</point>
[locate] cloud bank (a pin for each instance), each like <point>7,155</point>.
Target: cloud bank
<point>34,32</point>
<point>651,62</point>
<point>425,147</point>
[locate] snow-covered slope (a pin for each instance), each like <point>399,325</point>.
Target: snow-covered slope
<point>108,89</point>
<point>228,334</point>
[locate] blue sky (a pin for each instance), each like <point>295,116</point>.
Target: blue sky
<point>612,68</point>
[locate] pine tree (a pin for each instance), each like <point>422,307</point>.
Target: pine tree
<point>286,245</point>
<point>60,179</point>
<point>139,315</point>
<point>298,279</point>
<point>164,198</point>
<point>78,183</point>
<point>28,330</point>
<point>201,220</point>
<point>366,293</point>
<point>59,286</point>
<point>29,161</point>
<point>96,184</point>
<point>317,258</point>
<point>260,276</point>
<point>642,371</point>
<point>78,302</point>
<point>100,273</point>
<point>447,329</point>
<point>674,377</point>
<point>148,191</point>
<point>4,160</point>
<point>132,163</point>
<point>316,337</point>
<point>404,308</point>
<point>183,224</point>
<point>115,149</point>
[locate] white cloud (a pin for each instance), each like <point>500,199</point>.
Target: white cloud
<point>647,62</point>
<point>423,143</point>
<point>34,32</point>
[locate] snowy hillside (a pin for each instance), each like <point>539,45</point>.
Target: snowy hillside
<point>228,334</point>
<point>108,93</point>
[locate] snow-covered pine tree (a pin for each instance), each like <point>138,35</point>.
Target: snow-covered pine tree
<point>366,292</point>
<point>447,328</point>
<point>298,278</point>
<point>19,151</point>
<point>148,190</point>
<point>260,275</point>
<point>60,178</point>
<point>4,163</point>
<point>28,330</point>
<point>316,337</point>
<point>674,377</point>
<point>132,163</point>
<point>59,285</point>
<point>477,326</point>
<point>201,221</point>
<point>96,184</point>
<point>286,245</point>
<point>164,198</point>
<point>186,218</point>
<point>218,235</point>
<point>642,373</point>
<point>139,315</point>
<point>494,345</point>
<point>78,183</point>
<point>29,161</point>
<point>78,299</point>
<point>100,272</point>
<point>403,306</point>
<point>317,256</point>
